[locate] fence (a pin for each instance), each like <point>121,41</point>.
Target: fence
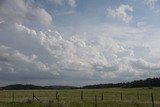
<point>96,98</point>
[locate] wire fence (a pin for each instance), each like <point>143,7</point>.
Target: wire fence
<point>68,97</point>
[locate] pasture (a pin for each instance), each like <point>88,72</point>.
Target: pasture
<point>111,97</point>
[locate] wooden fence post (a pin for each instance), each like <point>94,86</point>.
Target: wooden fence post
<point>33,96</point>
<point>57,95</point>
<point>58,100</point>
<point>121,96</point>
<point>152,99</point>
<point>95,101</point>
<point>81,95</point>
<point>138,95</point>
<point>102,96</point>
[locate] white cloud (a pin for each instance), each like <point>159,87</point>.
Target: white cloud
<point>9,55</point>
<point>23,11</point>
<point>107,58</point>
<point>121,13</point>
<point>115,53</point>
<point>69,53</point>
<point>44,17</point>
<point>16,66</point>
<point>104,57</point>
<point>144,65</point>
<point>20,28</point>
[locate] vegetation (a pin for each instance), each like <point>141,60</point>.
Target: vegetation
<point>141,93</point>
<point>150,82</point>
<point>110,97</point>
<point>29,86</point>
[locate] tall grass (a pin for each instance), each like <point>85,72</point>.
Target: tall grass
<point>115,97</point>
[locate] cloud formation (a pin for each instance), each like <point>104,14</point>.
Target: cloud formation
<point>75,57</point>
<point>112,53</point>
<point>16,66</point>
<point>24,11</point>
<point>121,13</point>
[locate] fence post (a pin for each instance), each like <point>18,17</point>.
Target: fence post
<point>102,96</point>
<point>138,95</point>
<point>33,96</point>
<point>121,96</point>
<point>58,100</point>
<point>152,99</point>
<point>95,101</point>
<point>56,95</point>
<point>81,95</point>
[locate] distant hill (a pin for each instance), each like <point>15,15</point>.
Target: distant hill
<point>28,86</point>
<point>20,86</point>
<point>150,82</point>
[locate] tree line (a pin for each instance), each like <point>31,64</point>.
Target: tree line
<point>150,82</point>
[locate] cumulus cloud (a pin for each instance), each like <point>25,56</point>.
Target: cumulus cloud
<point>105,59</point>
<point>122,13</point>
<point>69,54</point>
<point>117,54</point>
<point>23,11</point>
<point>144,65</point>
<point>17,66</point>
<point>105,56</point>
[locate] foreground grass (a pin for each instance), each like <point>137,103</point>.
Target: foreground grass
<point>79,104</point>
<point>112,97</point>
<point>20,105</point>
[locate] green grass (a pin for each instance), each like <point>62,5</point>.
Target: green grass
<point>131,97</point>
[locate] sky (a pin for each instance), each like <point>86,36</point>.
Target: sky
<point>78,42</point>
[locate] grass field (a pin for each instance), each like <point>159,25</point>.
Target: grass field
<point>112,97</point>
